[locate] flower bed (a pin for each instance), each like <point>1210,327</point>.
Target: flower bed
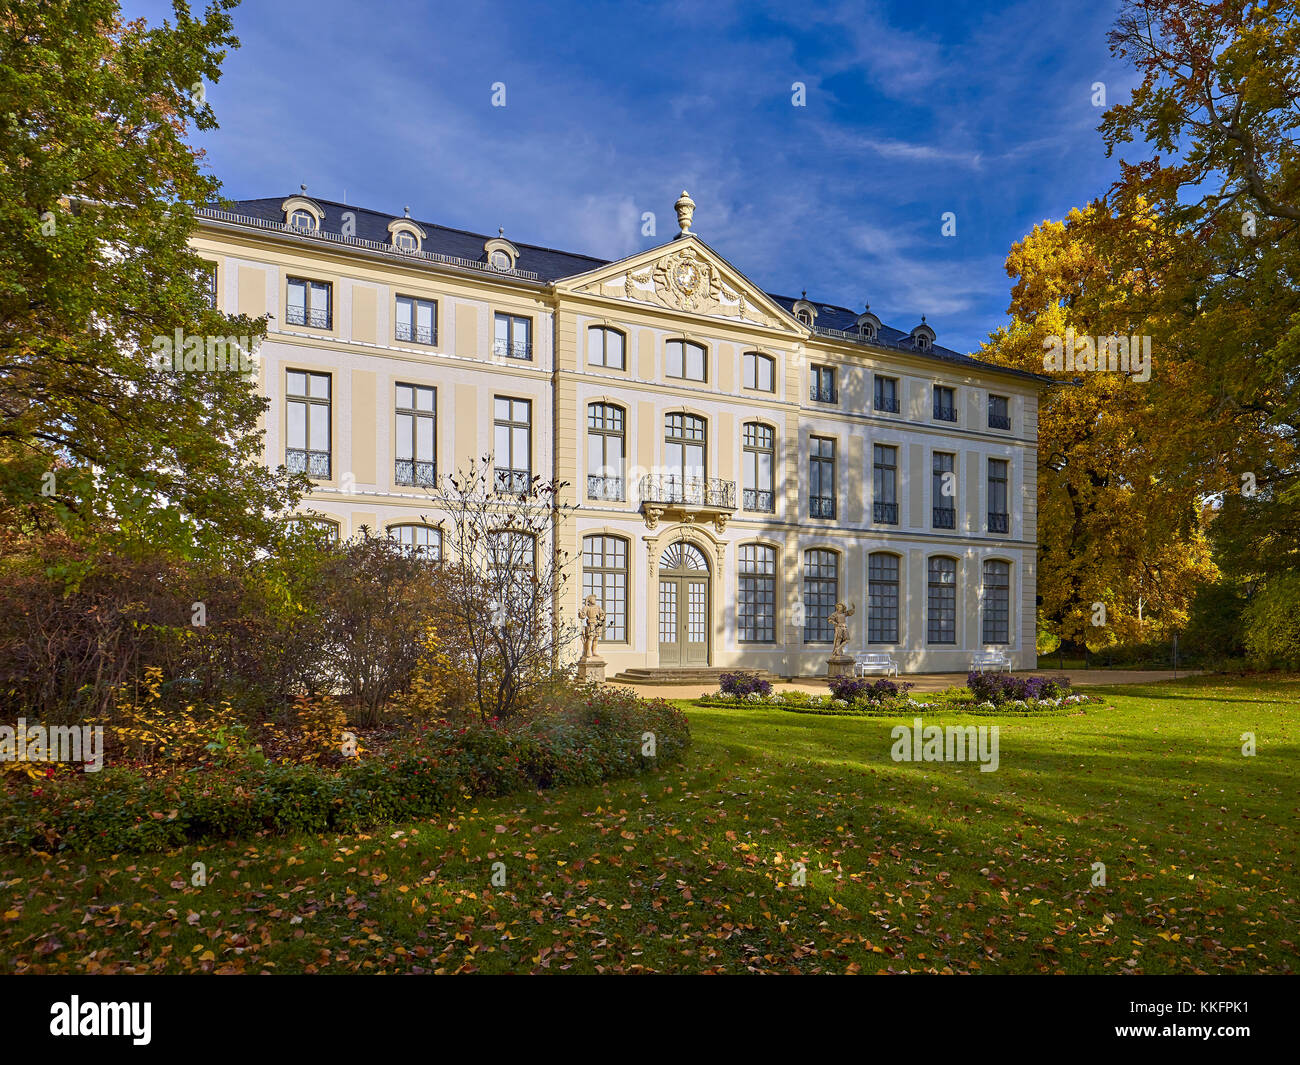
<point>598,734</point>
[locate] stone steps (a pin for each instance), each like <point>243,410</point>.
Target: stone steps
<point>683,675</point>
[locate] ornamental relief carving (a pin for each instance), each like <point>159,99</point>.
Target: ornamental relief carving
<point>685,281</point>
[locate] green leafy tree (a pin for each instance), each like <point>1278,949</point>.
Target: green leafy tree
<point>98,187</point>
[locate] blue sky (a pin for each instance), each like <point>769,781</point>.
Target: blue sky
<point>912,110</point>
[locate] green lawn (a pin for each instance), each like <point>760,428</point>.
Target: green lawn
<point>910,866</point>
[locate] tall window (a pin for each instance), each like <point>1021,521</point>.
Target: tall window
<point>759,371</point>
<point>886,397</point>
<point>996,605</point>
<point>320,530</point>
<point>208,275</point>
<point>684,457</point>
<point>756,604</point>
<point>604,575</point>
<point>686,360</point>
<point>821,384</point>
<point>821,477</point>
<point>945,404</point>
<point>760,455</point>
<point>943,491</point>
<point>999,518</point>
<point>884,484</point>
<point>513,443</point>
<point>417,320</point>
<point>513,338</point>
<point>416,460</point>
<point>422,540</point>
<point>821,590</point>
<point>999,414</point>
<point>309,303</point>
<point>941,601</point>
<point>605,452</point>
<point>882,598</point>
<point>307,432</point>
<point>606,347</point>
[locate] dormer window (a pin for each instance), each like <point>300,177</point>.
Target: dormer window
<point>805,311</point>
<point>302,213</point>
<point>500,253</point>
<point>923,336</point>
<point>868,324</point>
<point>405,234</point>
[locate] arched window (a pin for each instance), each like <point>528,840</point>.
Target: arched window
<point>821,591</point>
<point>606,347</point>
<point>686,360</point>
<point>604,575</point>
<point>417,539</point>
<point>941,601</point>
<point>605,451</point>
<point>320,529</point>
<point>301,219</point>
<point>996,601</point>
<point>759,371</point>
<point>756,594</point>
<point>882,597</point>
<point>405,240</point>
<point>760,460</point>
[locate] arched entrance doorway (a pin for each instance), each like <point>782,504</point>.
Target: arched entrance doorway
<point>684,616</point>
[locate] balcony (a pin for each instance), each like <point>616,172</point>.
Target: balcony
<point>999,421</point>
<point>605,489</point>
<point>317,319</point>
<point>315,464</point>
<point>420,334</point>
<point>512,482</point>
<point>759,499</point>
<point>414,472</point>
<point>513,349</point>
<point>884,513</point>
<point>682,498</point>
<point>944,413</point>
<point>821,393</point>
<point>945,517</point>
<point>999,523</point>
<point>821,506</point>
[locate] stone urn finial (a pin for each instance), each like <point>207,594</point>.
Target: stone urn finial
<point>685,208</point>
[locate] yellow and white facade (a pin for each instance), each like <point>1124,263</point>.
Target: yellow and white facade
<point>738,462</point>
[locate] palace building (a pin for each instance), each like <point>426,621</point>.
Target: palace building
<point>739,461</point>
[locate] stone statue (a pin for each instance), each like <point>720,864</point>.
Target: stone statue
<point>840,622</point>
<point>592,616</point>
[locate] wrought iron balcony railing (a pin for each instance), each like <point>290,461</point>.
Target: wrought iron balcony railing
<point>313,463</point>
<point>999,523</point>
<point>317,319</point>
<point>945,517</point>
<point>886,405</point>
<point>759,499</point>
<point>944,413</point>
<point>673,488</point>
<point>885,513</point>
<point>513,482</point>
<point>821,506</point>
<point>821,394</point>
<point>606,489</point>
<point>412,471</point>
<point>999,421</point>
<point>419,334</point>
<point>513,349</point>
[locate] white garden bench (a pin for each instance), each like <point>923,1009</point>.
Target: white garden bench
<point>874,661</point>
<point>982,660</point>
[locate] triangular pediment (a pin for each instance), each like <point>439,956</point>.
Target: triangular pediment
<point>689,276</point>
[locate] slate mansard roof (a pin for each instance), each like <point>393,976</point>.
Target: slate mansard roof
<point>550,265</point>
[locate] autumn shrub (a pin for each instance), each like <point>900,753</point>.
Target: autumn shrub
<point>1272,623</point>
<point>590,735</point>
